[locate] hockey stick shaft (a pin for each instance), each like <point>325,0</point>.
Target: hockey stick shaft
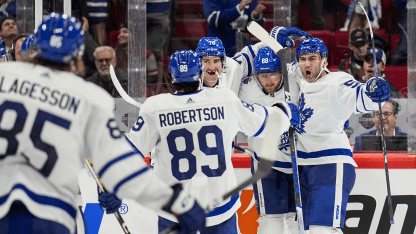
<point>264,36</point>
<point>383,140</point>
<point>244,151</point>
<point>120,89</point>
<point>264,169</point>
<point>97,179</point>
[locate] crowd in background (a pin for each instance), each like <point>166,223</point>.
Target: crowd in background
<point>105,20</point>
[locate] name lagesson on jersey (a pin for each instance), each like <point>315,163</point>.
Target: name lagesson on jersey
<point>42,93</point>
<point>191,116</point>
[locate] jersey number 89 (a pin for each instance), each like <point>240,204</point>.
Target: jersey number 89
<point>186,154</point>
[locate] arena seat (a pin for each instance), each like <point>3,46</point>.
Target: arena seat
<point>397,75</point>
<point>338,48</point>
<point>394,39</point>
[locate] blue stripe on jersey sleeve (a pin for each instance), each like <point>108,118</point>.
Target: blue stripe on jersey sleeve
<point>224,208</point>
<point>250,48</point>
<point>134,147</point>
<point>248,63</point>
<point>130,177</point>
<point>109,164</point>
<point>323,153</point>
<point>264,123</point>
<point>362,98</point>
<point>44,200</point>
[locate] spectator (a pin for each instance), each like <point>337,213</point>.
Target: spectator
<point>14,54</point>
<point>358,18</point>
<point>225,17</point>
<point>390,110</point>
<point>316,11</point>
<point>8,31</point>
<point>97,15</point>
<point>7,8</point>
<point>122,57</point>
<point>369,70</point>
<point>90,46</point>
<point>158,30</point>
<point>358,44</point>
<point>400,56</point>
<point>104,57</point>
<point>26,53</point>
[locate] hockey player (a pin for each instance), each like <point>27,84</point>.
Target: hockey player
<point>222,71</point>
<point>274,194</point>
<point>193,131</point>
<point>50,121</point>
<point>326,101</point>
<point>218,69</point>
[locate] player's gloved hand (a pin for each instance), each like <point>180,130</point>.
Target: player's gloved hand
<point>286,36</point>
<point>378,91</point>
<point>292,111</point>
<point>109,202</point>
<point>190,215</point>
<point>346,124</point>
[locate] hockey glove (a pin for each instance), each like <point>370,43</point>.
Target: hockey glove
<point>109,202</point>
<point>292,111</point>
<point>378,91</point>
<point>190,215</point>
<point>286,36</point>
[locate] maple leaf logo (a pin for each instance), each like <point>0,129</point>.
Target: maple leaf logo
<point>305,114</point>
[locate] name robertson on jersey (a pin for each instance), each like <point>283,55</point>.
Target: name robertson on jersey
<point>191,116</point>
<point>42,93</point>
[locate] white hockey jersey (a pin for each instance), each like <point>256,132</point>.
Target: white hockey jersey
<point>325,106</point>
<point>252,93</point>
<point>50,121</point>
<point>193,135</point>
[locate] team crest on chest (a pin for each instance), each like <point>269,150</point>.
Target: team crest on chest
<point>305,114</point>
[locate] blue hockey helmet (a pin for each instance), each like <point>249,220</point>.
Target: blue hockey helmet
<point>59,38</point>
<point>210,46</point>
<point>28,42</point>
<point>310,46</point>
<point>185,66</point>
<point>267,61</point>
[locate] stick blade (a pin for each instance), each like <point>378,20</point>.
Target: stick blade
<point>259,32</point>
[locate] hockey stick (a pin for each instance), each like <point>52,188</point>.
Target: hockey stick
<point>120,89</point>
<point>264,36</point>
<point>120,219</point>
<point>383,140</point>
<point>244,151</point>
<point>258,31</point>
<point>264,169</point>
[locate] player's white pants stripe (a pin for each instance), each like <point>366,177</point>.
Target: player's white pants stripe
<point>260,192</point>
<point>338,195</point>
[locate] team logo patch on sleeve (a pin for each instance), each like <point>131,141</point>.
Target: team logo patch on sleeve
<point>284,141</point>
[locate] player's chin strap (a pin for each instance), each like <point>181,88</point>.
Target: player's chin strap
<point>383,140</point>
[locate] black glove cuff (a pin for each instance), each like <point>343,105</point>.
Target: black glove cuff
<point>177,188</point>
<point>280,106</point>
